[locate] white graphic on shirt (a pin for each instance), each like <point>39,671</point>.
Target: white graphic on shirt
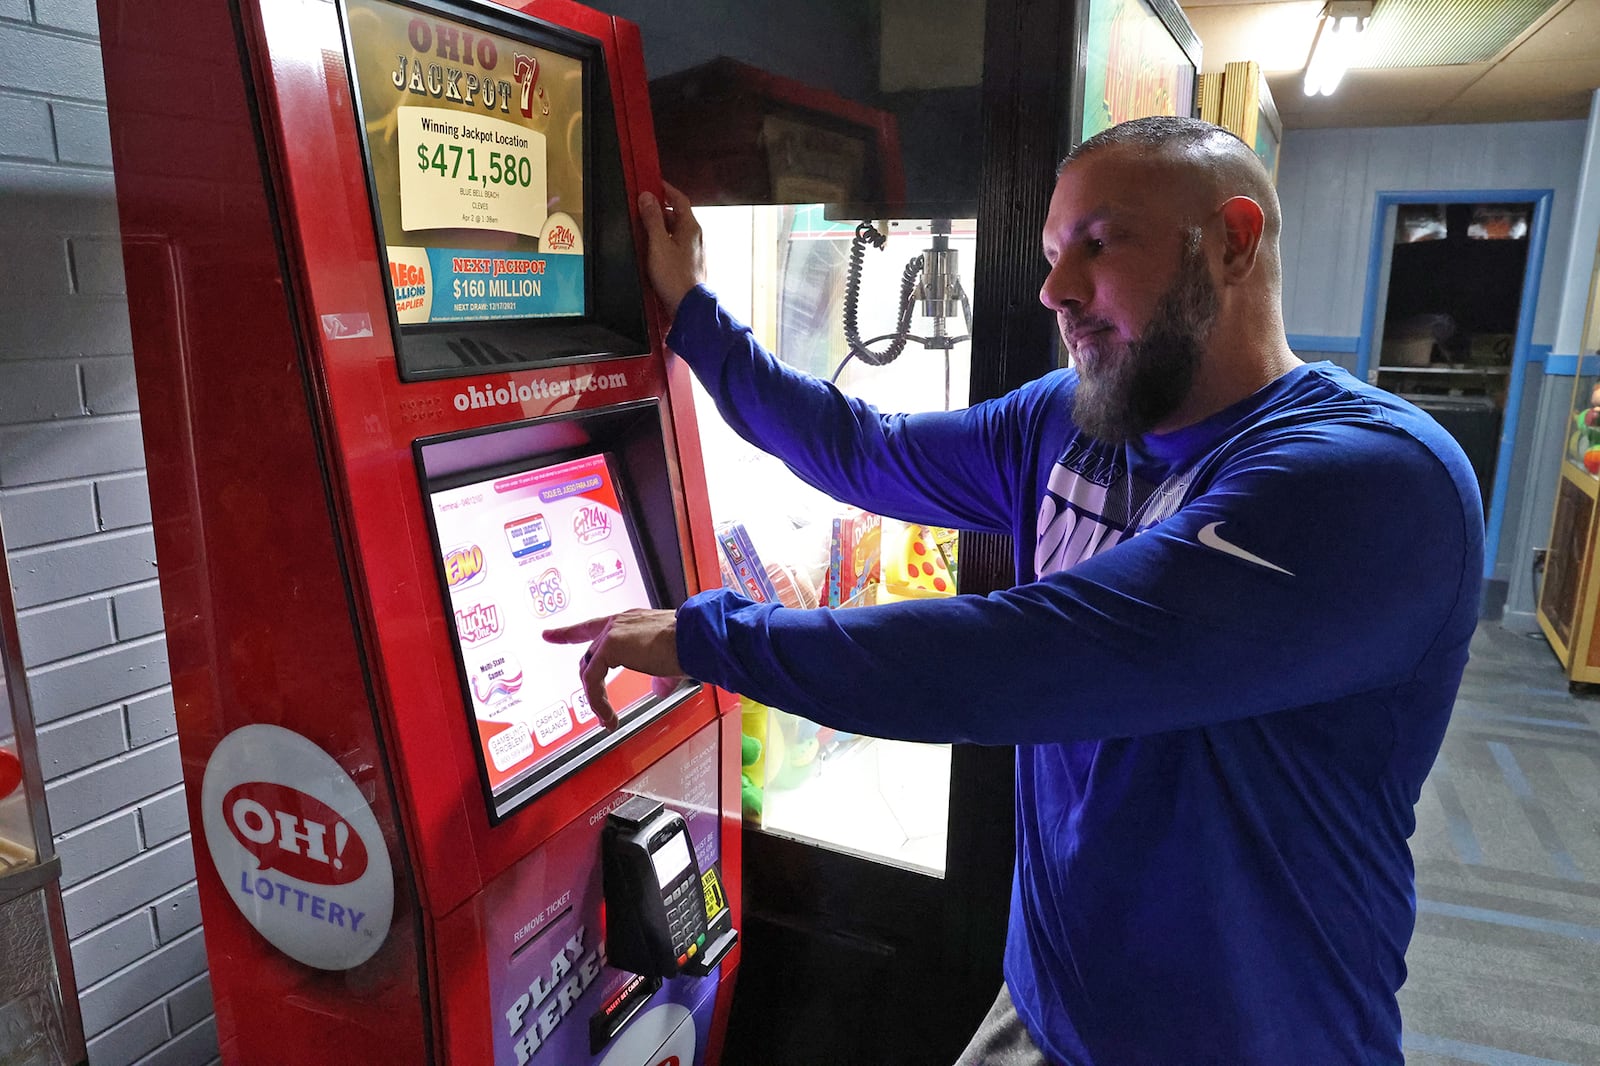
<point>1212,539</point>
<point>1092,502</point>
<point>1089,504</point>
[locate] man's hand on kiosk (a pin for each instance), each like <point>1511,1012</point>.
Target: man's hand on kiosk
<point>676,256</point>
<point>646,641</point>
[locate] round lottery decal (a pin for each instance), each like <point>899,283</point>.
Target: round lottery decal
<point>297,847</point>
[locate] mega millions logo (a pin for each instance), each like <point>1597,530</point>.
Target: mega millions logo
<point>590,524</point>
<point>410,281</point>
<point>464,566</point>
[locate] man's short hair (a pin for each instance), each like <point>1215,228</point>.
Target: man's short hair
<point>1232,164</point>
<point>1159,131</point>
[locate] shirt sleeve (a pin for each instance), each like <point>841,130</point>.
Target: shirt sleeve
<point>954,468</point>
<point>1317,566</point>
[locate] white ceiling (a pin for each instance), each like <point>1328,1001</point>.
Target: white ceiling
<point>1547,72</point>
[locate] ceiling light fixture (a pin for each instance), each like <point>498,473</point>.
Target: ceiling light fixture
<point>1334,47</point>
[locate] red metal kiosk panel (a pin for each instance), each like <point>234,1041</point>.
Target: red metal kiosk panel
<point>367,892</point>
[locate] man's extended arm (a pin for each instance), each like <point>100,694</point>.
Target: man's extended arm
<point>1328,566</point>
<point>1336,563</point>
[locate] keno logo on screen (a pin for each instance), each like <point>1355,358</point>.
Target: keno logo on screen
<point>464,567</point>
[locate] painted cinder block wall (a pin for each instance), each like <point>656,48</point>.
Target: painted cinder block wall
<point>76,516</point>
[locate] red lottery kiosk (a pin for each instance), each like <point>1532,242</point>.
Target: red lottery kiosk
<point>406,404</point>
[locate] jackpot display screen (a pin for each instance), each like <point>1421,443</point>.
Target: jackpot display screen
<point>477,153</point>
<point>521,551</point>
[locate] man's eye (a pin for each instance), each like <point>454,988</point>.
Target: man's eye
<point>1096,245</point>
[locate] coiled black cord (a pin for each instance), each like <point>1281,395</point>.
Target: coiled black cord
<point>867,233</point>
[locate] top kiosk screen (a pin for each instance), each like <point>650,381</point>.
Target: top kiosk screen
<point>476,147</point>
<point>523,552</point>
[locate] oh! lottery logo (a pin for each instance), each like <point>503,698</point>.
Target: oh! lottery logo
<point>297,847</point>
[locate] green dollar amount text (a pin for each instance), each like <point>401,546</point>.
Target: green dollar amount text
<point>453,161</point>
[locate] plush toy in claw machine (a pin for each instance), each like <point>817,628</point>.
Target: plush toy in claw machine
<point>919,563</point>
<point>801,748</point>
<point>787,754</point>
<point>1585,442</point>
<point>751,795</point>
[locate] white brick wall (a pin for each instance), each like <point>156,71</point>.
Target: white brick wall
<point>76,515</point>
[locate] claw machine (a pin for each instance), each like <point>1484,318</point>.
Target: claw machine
<point>872,867</point>
<point>848,837</point>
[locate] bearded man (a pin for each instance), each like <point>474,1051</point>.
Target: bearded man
<point>1246,587</point>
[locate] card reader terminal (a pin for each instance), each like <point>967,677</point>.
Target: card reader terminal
<point>655,904</point>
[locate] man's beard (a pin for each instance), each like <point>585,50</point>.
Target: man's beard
<point>1126,391</point>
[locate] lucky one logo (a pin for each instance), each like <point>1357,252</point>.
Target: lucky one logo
<point>591,523</point>
<point>478,623</point>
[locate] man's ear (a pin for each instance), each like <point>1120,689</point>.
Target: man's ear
<point>1243,222</point>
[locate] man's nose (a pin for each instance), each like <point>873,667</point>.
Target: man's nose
<point>1063,287</point>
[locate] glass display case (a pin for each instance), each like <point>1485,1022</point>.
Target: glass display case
<point>1567,603</point>
<point>787,272</point>
<point>39,1021</point>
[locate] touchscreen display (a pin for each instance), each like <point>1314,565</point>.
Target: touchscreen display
<point>476,147</point>
<point>522,552</point>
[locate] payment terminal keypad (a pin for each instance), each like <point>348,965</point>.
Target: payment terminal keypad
<point>686,916</point>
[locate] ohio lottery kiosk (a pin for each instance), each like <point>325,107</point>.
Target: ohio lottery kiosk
<point>405,404</point>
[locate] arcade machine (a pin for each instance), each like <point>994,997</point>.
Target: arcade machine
<point>405,405</point>
<point>875,879</point>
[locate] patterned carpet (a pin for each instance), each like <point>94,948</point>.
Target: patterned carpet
<point>1505,964</point>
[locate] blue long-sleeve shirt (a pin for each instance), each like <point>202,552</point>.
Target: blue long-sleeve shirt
<point>1227,668</point>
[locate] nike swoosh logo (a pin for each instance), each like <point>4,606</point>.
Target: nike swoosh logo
<point>1209,537</point>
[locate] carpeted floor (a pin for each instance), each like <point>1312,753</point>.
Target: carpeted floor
<point>1505,964</point>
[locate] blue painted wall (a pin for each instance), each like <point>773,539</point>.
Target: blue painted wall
<point>1329,181</point>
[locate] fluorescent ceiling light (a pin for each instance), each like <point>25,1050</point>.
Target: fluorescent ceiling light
<point>1334,48</point>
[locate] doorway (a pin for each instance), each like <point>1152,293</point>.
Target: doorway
<point>1452,286</point>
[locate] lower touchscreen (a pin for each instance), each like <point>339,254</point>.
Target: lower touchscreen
<point>523,551</point>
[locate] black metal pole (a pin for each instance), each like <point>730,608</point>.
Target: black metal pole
<point>1031,60</point>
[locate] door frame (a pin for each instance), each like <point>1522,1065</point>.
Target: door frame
<point>1378,257</point>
